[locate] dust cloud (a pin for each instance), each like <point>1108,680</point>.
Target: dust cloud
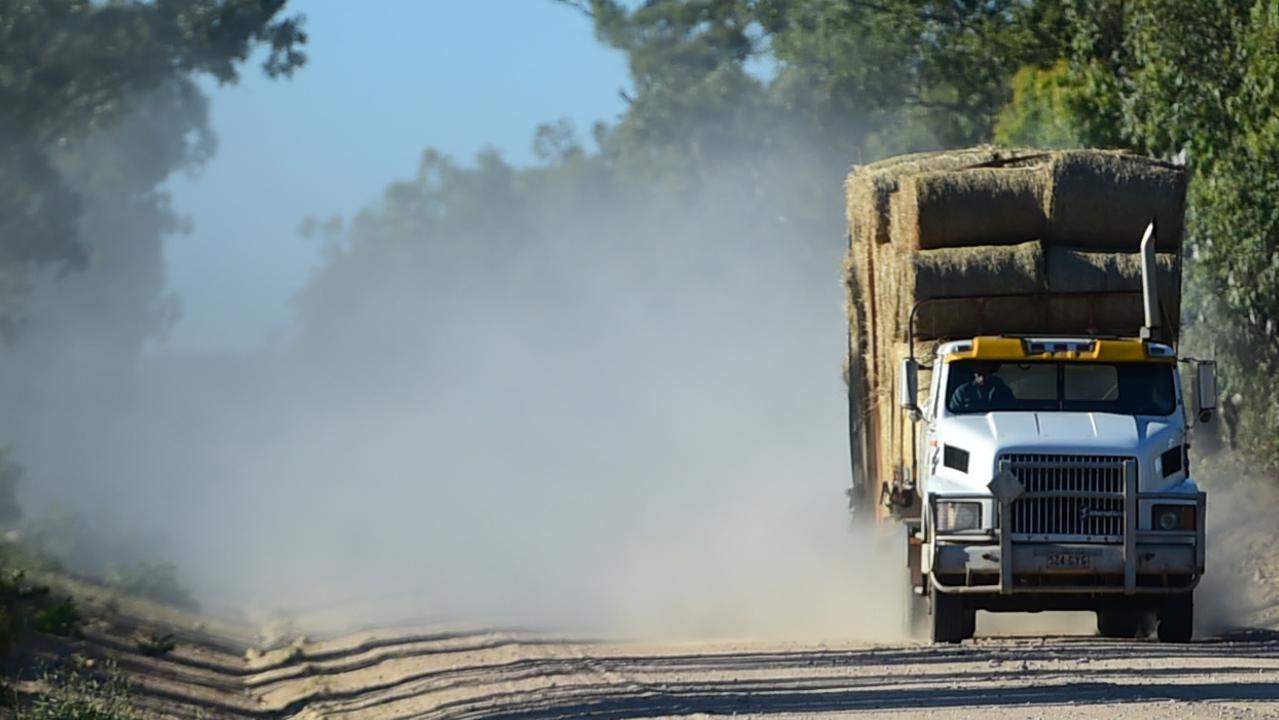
<point>615,410</point>
<point>1240,588</point>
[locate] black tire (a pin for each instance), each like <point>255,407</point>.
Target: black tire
<point>953,620</point>
<point>1177,618</point>
<point>1127,624</point>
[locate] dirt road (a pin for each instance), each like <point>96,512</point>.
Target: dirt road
<point>434,674</point>
<point>224,671</point>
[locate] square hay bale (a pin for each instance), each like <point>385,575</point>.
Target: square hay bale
<point>1072,271</point>
<point>955,319</point>
<point>1081,271</point>
<point>985,206</point>
<point>1104,200</point>
<point>869,188</point>
<point>1099,315</point>
<point>974,271</point>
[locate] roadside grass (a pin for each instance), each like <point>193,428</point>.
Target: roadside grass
<point>38,596</point>
<point>79,695</point>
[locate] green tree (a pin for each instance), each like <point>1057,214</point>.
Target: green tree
<point>870,78</point>
<point>73,68</point>
<point>1045,109</point>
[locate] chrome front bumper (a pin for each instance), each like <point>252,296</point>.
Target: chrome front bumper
<point>1145,562</point>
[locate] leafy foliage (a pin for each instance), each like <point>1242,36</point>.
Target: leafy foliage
<point>28,606</point>
<point>72,68</point>
<point>1044,110</point>
<point>59,618</point>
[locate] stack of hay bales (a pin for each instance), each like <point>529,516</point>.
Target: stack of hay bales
<point>998,241</point>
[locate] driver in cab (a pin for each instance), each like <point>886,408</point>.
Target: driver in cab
<point>984,390</point>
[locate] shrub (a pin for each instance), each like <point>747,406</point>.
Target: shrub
<point>59,618</point>
<point>78,696</point>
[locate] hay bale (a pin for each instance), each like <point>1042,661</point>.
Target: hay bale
<point>968,317</point>
<point>869,188</point>
<point>857,309</point>
<point>974,271</point>
<point>1099,315</point>
<point>1080,271</point>
<point>1073,271</point>
<point>1104,200</point>
<point>986,206</point>
<point>868,207</point>
<point>1106,315</point>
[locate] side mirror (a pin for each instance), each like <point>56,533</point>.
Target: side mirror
<point>908,384</point>
<point>1206,389</point>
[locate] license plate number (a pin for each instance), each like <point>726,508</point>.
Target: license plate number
<point>1068,560</point>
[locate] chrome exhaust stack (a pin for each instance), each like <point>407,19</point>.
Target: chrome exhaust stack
<point>1149,288</point>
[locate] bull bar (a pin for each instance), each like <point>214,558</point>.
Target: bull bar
<point>1156,551</point>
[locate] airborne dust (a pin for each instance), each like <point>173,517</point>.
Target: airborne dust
<point>546,397</point>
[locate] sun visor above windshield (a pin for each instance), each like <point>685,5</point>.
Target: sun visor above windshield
<point>1011,349</point>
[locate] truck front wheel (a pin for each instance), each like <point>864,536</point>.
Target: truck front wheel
<point>953,620</point>
<point>1177,618</point>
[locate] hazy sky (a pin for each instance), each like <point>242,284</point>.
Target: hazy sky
<point>386,79</point>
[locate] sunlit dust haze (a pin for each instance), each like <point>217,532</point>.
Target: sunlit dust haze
<point>564,396</point>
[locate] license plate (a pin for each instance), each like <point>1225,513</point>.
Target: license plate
<point>1068,560</point>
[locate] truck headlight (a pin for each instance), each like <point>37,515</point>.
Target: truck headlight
<point>1172,517</point>
<point>955,516</point>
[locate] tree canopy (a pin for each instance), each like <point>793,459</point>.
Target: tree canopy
<point>74,70</point>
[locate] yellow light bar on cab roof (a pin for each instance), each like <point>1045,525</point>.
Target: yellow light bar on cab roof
<point>1006,349</point>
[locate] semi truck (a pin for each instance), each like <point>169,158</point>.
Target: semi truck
<point>1017,402</point>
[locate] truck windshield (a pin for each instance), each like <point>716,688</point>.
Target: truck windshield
<point>978,386</point>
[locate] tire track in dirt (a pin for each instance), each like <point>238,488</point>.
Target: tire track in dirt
<point>507,674</point>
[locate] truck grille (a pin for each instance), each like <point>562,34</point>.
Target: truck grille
<point>1084,496</point>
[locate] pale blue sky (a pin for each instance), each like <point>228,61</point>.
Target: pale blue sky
<point>386,79</point>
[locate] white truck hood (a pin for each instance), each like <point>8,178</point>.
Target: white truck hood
<point>988,435</point>
<point>1073,432</point>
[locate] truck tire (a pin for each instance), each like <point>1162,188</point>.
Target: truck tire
<point>1177,618</point>
<point>953,620</point>
<point>1123,623</point>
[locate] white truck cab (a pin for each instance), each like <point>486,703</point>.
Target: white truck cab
<point>1054,475</point>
